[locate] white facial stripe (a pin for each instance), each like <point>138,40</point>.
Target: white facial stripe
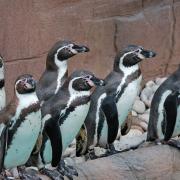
<point>74,93</point>
<point>62,68</point>
<point>140,55</point>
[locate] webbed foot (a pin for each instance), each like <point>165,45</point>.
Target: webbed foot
<point>174,143</point>
<point>91,154</point>
<point>111,150</point>
<point>52,174</point>
<point>4,176</point>
<point>24,175</point>
<point>66,170</point>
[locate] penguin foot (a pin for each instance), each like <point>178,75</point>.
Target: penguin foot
<point>111,150</point>
<point>66,170</point>
<point>174,143</point>
<point>27,176</point>
<point>52,174</point>
<point>91,154</point>
<point>4,176</point>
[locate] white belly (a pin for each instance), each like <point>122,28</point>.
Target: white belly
<point>126,101</point>
<point>124,106</point>
<point>69,129</point>
<point>160,113</point>
<point>2,98</point>
<point>23,141</point>
<point>177,125</point>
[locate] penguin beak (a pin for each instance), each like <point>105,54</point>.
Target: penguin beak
<point>80,48</point>
<point>97,81</point>
<point>148,53</point>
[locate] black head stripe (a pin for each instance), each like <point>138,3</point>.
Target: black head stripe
<point>2,82</point>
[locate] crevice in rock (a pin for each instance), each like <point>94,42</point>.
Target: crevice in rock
<point>27,58</point>
<point>172,39</point>
<point>115,37</point>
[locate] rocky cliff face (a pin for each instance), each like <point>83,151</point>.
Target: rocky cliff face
<point>29,29</point>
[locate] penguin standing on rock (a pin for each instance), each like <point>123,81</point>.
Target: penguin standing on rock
<point>63,116</point>
<point>111,104</point>
<point>2,83</point>
<point>20,124</point>
<point>56,68</point>
<point>164,120</point>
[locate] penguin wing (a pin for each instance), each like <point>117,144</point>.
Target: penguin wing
<point>53,131</point>
<point>169,115</point>
<point>110,111</point>
<point>3,144</point>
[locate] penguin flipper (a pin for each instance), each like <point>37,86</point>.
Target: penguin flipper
<point>54,134</point>
<point>110,111</point>
<point>3,145</point>
<point>169,115</point>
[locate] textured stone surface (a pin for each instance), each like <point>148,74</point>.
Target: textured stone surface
<point>29,28</point>
<point>157,162</point>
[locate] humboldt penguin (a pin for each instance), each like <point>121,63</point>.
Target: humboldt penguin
<point>111,104</point>
<point>20,124</point>
<point>2,84</point>
<point>63,116</point>
<point>164,120</point>
<point>56,71</point>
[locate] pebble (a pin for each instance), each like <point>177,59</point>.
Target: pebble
<point>150,84</point>
<point>144,117</point>
<point>127,142</point>
<point>134,113</point>
<point>159,81</point>
<point>146,96</point>
<point>69,152</point>
<point>99,151</point>
<point>139,107</point>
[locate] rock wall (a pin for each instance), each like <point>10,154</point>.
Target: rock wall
<point>29,29</point>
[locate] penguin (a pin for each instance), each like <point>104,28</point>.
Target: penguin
<point>63,116</point>
<point>56,71</point>
<point>164,120</point>
<point>111,104</point>
<point>2,85</point>
<point>20,124</point>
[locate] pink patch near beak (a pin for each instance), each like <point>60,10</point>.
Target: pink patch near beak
<point>91,83</point>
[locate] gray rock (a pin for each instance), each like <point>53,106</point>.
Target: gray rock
<point>159,81</point>
<point>81,159</point>
<point>134,113</point>
<point>144,117</point>
<point>130,141</point>
<point>70,161</point>
<point>146,95</point>
<point>154,88</point>
<point>150,84</point>
<point>99,151</point>
<point>139,107</point>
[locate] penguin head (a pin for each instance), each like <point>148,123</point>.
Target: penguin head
<point>25,84</point>
<point>83,81</point>
<point>132,55</point>
<point>62,51</point>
